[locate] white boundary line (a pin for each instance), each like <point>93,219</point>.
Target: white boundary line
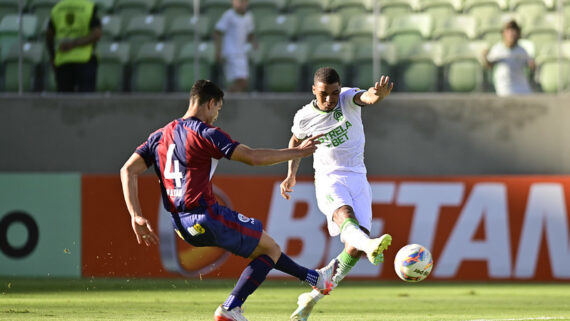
<point>521,319</point>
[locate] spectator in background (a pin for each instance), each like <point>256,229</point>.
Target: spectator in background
<point>232,33</point>
<point>72,33</point>
<point>510,61</point>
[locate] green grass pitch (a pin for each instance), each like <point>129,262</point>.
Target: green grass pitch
<point>196,300</point>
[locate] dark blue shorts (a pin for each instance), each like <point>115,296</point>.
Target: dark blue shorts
<point>219,226</point>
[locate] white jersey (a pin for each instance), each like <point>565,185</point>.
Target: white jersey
<point>235,28</point>
<point>342,146</point>
<point>509,75</point>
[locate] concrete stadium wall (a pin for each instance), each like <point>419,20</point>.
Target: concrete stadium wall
<point>421,134</point>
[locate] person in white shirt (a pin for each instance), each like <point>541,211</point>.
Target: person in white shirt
<point>342,189</point>
<point>231,36</point>
<point>509,60</point>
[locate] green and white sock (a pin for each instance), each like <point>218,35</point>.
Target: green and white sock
<point>350,233</point>
<point>345,263</point>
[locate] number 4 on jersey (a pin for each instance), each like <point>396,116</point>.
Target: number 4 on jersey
<point>176,175</point>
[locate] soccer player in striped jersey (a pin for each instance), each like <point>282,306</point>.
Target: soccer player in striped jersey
<point>342,190</point>
<point>184,154</point>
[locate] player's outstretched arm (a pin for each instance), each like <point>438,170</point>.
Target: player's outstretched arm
<point>375,94</point>
<point>130,172</point>
<point>266,156</point>
<point>293,166</point>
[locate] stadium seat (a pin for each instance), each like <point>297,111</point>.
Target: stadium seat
<point>362,67</point>
<point>41,9</point>
<point>184,65</point>
<point>141,29</point>
<point>130,8</point>
<point>462,68</point>
<point>524,8</point>
<point>550,72</point>
<point>349,8</point>
<point>302,8</point>
<point>455,29</point>
<point>8,7</point>
<point>485,8</point>
<point>395,8</point>
<point>9,31</point>
<point>111,28</point>
<point>283,67</point>
<point>407,31</point>
<point>543,30</point>
<point>418,71</point>
<point>171,9</point>
<point>265,8</point>
<point>213,9</point>
<point>275,29</point>
<point>440,8</point>
<point>490,27</point>
<point>104,6</point>
<point>318,28</point>
<point>111,72</point>
<point>359,28</point>
<point>181,30</point>
<point>153,58</point>
<point>337,55</point>
<point>32,53</point>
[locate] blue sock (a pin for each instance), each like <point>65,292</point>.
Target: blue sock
<point>287,265</point>
<point>251,277</point>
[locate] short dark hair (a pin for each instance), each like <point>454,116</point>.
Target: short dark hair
<point>326,75</point>
<point>512,24</point>
<point>204,91</point>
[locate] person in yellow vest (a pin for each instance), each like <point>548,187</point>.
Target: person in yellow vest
<point>73,30</point>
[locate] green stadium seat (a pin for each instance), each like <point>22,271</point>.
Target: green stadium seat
<point>151,67</point>
<point>441,8</point>
<point>418,71</point>
<point>462,68</point>
<point>275,29</point>
<point>485,8</point>
<point>130,8</point>
<point>524,8</point>
<point>105,6</point>
<point>455,29</point>
<point>337,55</point>
<point>141,29</point>
<point>490,27</point>
<point>265,8</point>
<point>184,65</point>
<point>318,28</point>
<point>9,31</point>
<point>349,8</point>
<point>550,72</point>
<point>213,9</point>
<point>111,28</point>
<point>396,8</point>
<point>302,8</point>
<point>32,53</point>
<point>362,67</point>
<point>283,67</point>
<point>543,30</point>
<point>407,31</point>
<point>359,28</point>
<point>171,9</point>
<point>181,30</point>
<point>10,7</point>
<point>41,9</point>
<point>111,72</point>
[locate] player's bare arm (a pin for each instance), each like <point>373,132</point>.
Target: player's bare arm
<point>293,166</point>
<point>266,156</point>
<point>375,94</point>
<point>130,172</point>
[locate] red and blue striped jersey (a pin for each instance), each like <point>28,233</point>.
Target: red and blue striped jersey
<point>185,154</point>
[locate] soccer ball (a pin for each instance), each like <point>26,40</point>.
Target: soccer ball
<point>413,263</point>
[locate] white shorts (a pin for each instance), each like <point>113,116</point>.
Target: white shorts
<point>236,67</point>
<point>344,188</point>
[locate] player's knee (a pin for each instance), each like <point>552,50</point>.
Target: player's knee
<point>342,213</point>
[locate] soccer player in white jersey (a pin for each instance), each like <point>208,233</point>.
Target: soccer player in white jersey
<point>342,190</point>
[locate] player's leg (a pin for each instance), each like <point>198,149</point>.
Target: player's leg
<point>237,73</point>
